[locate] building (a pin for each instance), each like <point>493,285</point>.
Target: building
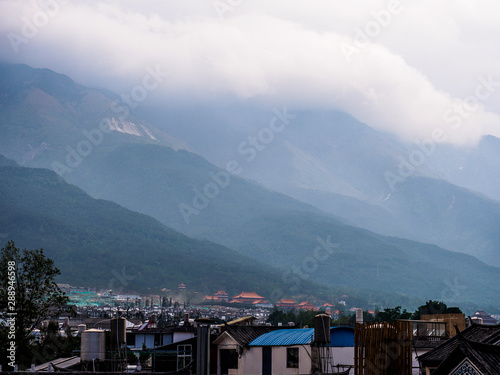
<point>156,337</point>
<point>248,298</point>
<point>286,304</point>
<point>474,351</point>
<point>275,350</point>
<point>220,296</point>
<point>307,306</point>
<point>233,342</point>
<point>481,317</point>
<point>243,321</point>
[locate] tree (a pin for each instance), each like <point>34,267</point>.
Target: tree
<point>27,284</point>
<point>435,307</point>
<point>392,314</point>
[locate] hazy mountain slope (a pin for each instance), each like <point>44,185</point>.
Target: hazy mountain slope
<point>339,165</point>
<point>474,168</point>
<point>93,241</point>
<point>186,192</point>
<point>45,116</point>
<point>279,231</point>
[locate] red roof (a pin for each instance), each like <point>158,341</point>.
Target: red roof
<point>250,295</point>
<point>285,301</point>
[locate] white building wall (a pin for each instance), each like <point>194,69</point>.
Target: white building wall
<point>250,362</point>
<point>179,336</point>
<point>279,360</point>
<point>343,355</point>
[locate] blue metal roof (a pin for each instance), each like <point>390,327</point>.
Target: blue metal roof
<point>339,336</point>
<point>285,337</point>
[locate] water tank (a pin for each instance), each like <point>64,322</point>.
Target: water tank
<point>359,315</point>
<point>322,329</point>
<point>81,328</point>
<point>118,331</point>
<point>93,345</point>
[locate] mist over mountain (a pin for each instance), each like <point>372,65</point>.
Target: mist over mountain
<point>341,166</point>
<point>127,160</point>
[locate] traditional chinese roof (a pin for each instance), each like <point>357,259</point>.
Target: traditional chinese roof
<point>285,301</point>
<point>246,295</point>
<point>476,333</point>
<point>485,357</point>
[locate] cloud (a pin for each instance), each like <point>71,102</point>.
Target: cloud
<point>403,67</point>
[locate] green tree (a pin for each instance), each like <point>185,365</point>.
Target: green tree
<point>392,314</point>
<point>27,284</point>
<point>435,307</point>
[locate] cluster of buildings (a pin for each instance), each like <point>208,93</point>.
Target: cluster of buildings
<point>237,340</point>
<point>447,344</point>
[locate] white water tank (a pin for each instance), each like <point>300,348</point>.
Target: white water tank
<point>93,345</point>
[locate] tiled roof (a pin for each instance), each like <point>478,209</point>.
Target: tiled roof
<point>284,337</point>
<point>243,335</point>
<point>249,295</point>
<point>478,333</point>
<point>286,301</point>
<point>485,357</point>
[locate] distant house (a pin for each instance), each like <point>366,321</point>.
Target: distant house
<point>481,317</point>
<point>286,304</point>
<point>474,351</point>
<point>244,321</point>
<point>307,306</point>
<point>220,296</point>
<point>248,298</point>
<point>182,286</point>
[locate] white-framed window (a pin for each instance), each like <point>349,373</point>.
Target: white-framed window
<point>184,355</point>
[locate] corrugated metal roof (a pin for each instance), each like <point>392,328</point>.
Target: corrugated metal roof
<point>284,337</point>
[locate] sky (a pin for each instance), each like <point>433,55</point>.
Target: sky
<point>419,69</point>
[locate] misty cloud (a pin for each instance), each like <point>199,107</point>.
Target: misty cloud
<point>423,67</point>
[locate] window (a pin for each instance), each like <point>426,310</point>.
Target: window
<point>229,359</point>
<point>183,356</point>
<point>292,357</point>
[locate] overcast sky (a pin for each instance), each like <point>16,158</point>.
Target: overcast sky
<point>400,66</point>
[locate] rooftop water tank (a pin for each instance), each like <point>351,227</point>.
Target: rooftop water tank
<point>93,345</point>
<point>118,331</point>
<point>322,328</point>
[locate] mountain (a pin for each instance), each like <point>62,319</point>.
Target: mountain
<point>473,167</point>
<point>47,120</point>
<point>186,192</point>
<point>279,231</point>
<point>341,166</point>
<point>98,243</point>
